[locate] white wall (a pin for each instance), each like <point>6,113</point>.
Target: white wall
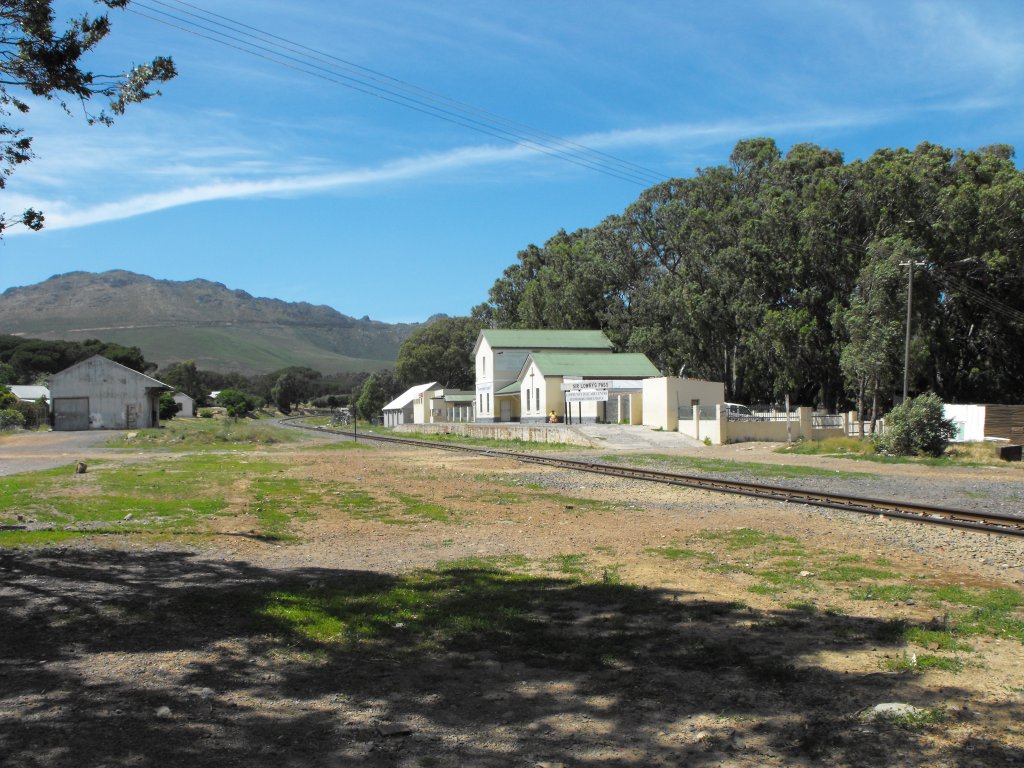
<point>969,421</point>
<point>665,395</point>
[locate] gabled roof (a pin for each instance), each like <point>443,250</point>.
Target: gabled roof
<point>150,382</point>
<point>593,365</point>
<point>408,396</point>
<point>511,338</point>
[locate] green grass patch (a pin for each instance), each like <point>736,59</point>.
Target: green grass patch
<point>280,501</point>
<point>913,662</point>
<point>846,572</point>
<point>746,538</point>
<point>845,447</point>
<point>886,592</point>
<point>416,507</point>
<point>680,553</point>
<point>570,565</point>
<point>726,466</point>
<point>936,639</point>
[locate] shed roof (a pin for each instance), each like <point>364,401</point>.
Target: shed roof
<point>408,396</point>
<point>149,381</point>
<point>511,338</point>
<point>29,392</point>
<point>628,365</point>
<point>509,389</point>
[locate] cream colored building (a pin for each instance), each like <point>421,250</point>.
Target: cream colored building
<point>500,355</point>
<point>666,396</point>
<point>581,387</point>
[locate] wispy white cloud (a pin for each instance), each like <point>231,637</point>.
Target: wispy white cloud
<point>62,215</point>
<point>194,173</point>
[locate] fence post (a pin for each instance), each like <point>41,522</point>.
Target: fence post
<point>806,422</point>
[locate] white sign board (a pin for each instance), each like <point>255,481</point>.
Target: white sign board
<point>584,386</point>
<point>587,395</point>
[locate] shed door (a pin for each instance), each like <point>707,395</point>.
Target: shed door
<point>70,413</point>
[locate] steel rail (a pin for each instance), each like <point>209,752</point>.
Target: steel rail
<point>952,517</point>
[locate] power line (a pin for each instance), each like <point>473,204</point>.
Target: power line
<point>980,297</point>
<point>298,57</point>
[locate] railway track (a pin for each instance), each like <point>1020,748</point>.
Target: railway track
<point>1005,525</point>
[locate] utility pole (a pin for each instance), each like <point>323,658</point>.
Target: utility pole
<point>910,294</point>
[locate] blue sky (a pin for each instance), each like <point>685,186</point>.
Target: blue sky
<point>287,185</point>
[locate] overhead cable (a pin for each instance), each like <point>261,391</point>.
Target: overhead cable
<point>296,56</point>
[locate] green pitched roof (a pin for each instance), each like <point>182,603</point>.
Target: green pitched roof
<point>509,389</point>
<point>610,365</point>
<point>533,339</point>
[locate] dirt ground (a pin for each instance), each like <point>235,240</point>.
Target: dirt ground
<point>123,651</point>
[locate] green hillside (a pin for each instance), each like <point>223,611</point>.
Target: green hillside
<point>220,329</point>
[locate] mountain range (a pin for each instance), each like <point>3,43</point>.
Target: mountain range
<point>219,328</point>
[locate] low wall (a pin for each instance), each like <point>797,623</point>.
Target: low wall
<point>721,430</point>
<point>534,433</point>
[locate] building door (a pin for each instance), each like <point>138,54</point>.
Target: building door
<point>70,414</point>
<point>506,410</point>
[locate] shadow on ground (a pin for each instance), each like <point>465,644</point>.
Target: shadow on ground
<point>165,659</point>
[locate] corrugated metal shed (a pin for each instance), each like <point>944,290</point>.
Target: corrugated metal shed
<point>100,394</point>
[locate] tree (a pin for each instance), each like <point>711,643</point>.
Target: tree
<point>47,63</point>
<point>372,399</point>
<point>185,377</point>
<point>168,406</point>
<point>289,389</point>
<point>874,325</point>
<point>440,351</point>
<point>237,404</point>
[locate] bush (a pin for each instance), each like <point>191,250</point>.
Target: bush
<point>11,419</point>
<point>915,427</point>
<point>237,404</point>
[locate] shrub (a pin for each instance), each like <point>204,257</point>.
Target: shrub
<point>917,426</point>
<point>11,419</point>
<point>237,404</point>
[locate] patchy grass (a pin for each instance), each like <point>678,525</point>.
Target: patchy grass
<point>571,565</point>
<point>844,447</point>
<point>841,571</point>
<point>679,553</point>
<point>890,593</point>
<point>480,442</point>
<point>278,502</point>
<point>745,538</point>
<point>170,496</point>
<point>164,495</point>
<point>726,466</point>
<point>417,507</point>
<point>959,454</point>
<point>206,434</point>
<point>913,662</point>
